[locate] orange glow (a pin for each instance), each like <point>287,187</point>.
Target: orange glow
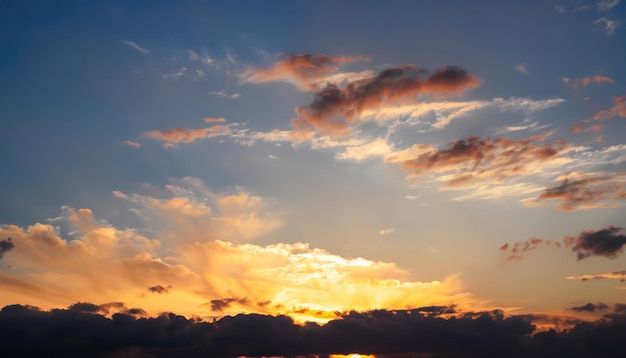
<point>352,355</point>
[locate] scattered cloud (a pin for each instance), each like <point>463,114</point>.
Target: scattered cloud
<point>578,191</point>
<point>590,307</point>
<point>521,68</point>
<point>175,136</point>
<point>604,5</point>
<point>131,44</point>
<point>386,232</point>
<point>307,72</point>
<point>175,75</point>
<point>159,289</point>
<point>194,57</point>
<point>584,82</point>
<point>335,109</point>
<point>615,275</point>
<point>132,144</point>
<point>224,94</point>
<point>607,26</point>
<point>608,242</point>
<point>476,159</point>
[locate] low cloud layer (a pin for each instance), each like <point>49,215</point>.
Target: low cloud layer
<point>84,329</point>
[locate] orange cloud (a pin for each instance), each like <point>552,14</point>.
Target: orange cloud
<point>618,110</point>
<point>305,70</point>
<point>584,82</point>
<point>172,137</point>
<point>189,261</point>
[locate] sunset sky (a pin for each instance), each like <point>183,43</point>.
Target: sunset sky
<point>309,159</point>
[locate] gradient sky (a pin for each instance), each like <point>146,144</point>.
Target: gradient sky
<point>307,158</point>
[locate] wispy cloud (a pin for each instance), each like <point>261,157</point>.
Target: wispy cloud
<point>578,191</point>
<point>604,5</point>
<point>583,82</point>
<point>131,44</point>
<point>224,94</point>
<point>521,68</point>
<point>615,275</point>
<point>307,72</point>
<point>607,26</point>
<point>176,74</point>
<point>385,232</point>
<point>132,144</point>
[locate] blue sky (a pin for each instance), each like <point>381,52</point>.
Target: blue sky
<point>148,127</point>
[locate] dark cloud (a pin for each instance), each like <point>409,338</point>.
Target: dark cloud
<point>479,160</point>
<point>335,107</point>
<point>5,246</point>
<point>436,331</point>
<point>585,193</point>
<point>159,289</point>
<point>590,307</point>
<point>218,305</point>
<point>607,242</point>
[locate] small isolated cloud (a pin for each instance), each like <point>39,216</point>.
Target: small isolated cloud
<point>522,69</point>
<point>607,26</point>
<point>224,94</point>
<point>172,137</point>
<point>615,275</point>
<point>132,44</point>
<point>159,289</point>
<point>304,70</point>
<point>578,191</point>
<point>385,232</point>
<point>272,157</point>
<point>176,74</point>
<point>132,144</point>
<point>591,307</point>
<point>5,246</point>
<point>515,250</point>
<point>205,58</point>
<point>585,81</point>
<point>219,305</point>
<point>607,242</point>
<point>604,5</point>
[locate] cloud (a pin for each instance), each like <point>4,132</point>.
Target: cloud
<point>335,109</point>
<point>386,232</point>
<point>131,44</point>
<point>607,242</point>
<point>590,307</point>
<point>175,136</point>
<point>6,246</point>
<point>176,75</point>
<point>132,144</point>
<point>578,191</point>
<point>604,5</point>
<point>522,69</point>
<point>615,275</point>
<point>218,305</point>
<point>618,110</point>
<point>224,94</point>
<point>478,160</point>
<point>159,289</point>
<point>306,71</point>
<point>440,331</point>
<point>194,57</point>
<point>584,82</point>
<point>606,25</point>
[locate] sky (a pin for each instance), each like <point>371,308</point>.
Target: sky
<point>287,162</point>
